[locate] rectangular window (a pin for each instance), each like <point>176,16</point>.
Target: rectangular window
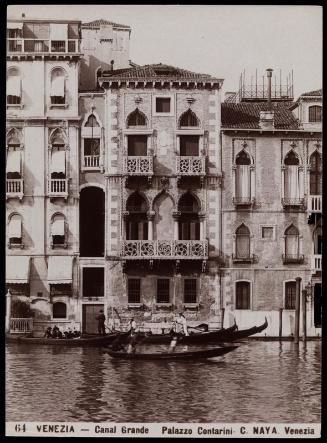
<point>93,282</point>
<point>189,145</point>
<point>163,105</point>
<point>137,145</point>
<point>290,292</point>
<point>243,295</point>
<point>190,290</point>
<point>163,290</point>
<point>134,290</point>
<point>268,232</point>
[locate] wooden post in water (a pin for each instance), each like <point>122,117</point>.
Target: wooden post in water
<point>297,310</point>
<point>280,333</point>
<point>222,317</point>
<point>304,314</point>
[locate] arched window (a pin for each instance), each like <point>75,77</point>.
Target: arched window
<point>292,242</point>
<point>137,221</point>
<point>58,156</point>
<point>91,142</point>
<point>315,114</point>
<point>291,178</point>
<point>243,178</point>
<point>92,122</point>
<point>243,295</point>
<point>59,310</point>
<point>315,174</point>
<point>57,89</point>
<point>15,231</point>
<point>58,231</point>
<point>188,119</point>
<point>189,222</point>
<point>14,160</point>
<point>242,249</point>
<point>290,294</point>
<point>136,118</point>
<point>14,87</point>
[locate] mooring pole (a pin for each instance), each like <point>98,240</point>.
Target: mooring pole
<point>222,317</point>
<point>304,314</point>
<point>280,333</point>
<point>297,310</point>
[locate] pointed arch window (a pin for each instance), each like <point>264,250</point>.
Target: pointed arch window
<point>315,114</point>
<point>91,143</point>
<point>243,191</point>
<point>189,220</point>
<point>136,118</point>
<point>292,192</point>
<point>136,221</point>
<point>14,87</point>
<point>188,119</point>
<point>315,174</point>
<point>292,245</point>
<point>58,87</point>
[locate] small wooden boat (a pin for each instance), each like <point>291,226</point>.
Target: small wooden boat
<point>88,341</point>
<point>187,355</point>
<point>244,333</point>
<point>193,338</point>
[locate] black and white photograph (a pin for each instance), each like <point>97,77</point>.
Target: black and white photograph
<point>163,190</point>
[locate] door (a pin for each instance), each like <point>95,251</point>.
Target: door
<point>90,324</point>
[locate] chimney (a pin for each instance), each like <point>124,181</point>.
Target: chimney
<point>112,65</point>
<point>269,75</point>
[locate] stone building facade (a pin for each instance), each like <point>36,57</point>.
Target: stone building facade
<point>133,189</point>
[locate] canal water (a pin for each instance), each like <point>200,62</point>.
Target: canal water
<point>258,382</point>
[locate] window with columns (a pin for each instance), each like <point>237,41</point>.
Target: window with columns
<point>189,220</point>
<point>137,219</point>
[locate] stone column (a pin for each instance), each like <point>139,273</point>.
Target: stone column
<point>176,215</point>
<point>202,217</point>
<point>150,216</point>
<point>8,311</point>
<point>297,310</point>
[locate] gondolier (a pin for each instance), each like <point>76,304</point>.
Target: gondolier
<point>101,320</point>
<point>181,320</point>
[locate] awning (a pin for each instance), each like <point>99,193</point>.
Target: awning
<point>13,161</point>
<point>14,86</point>
<point>58,227</point>
<point>58,161</point>
<point>58,86</point>
<point>15,227</point>
<point>58,31</point>
<point>60,270</point>
<point>17,269</point>
<point>11,25</point>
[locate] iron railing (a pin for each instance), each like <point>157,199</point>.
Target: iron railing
<point>164,249</point>
<point>293,258</point>
<point>21,325</point>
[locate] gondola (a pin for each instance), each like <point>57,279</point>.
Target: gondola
<point>187,355</point>
<point>244,333</point>
<point>82,341</point>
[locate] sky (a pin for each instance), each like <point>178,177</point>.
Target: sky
<point>213,39</point>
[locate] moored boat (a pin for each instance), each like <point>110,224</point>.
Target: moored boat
<point>244,333</point>
<point>82,341</point>
<point>182,355</point>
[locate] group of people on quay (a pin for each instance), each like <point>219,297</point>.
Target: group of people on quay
<point>55,332</point>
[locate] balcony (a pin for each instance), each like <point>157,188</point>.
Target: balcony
<point>138,165</point>
<point>251,258</point>
<point>293,258</point>
<point>164,249</point>
<point>41,46</point>
<point>91,161</point>
<point>291,202</point>
<point>190,166</point>
<point>315,204</point>
<point>15,188</point>
<point>21,325</point>
<point>316,263</point>
<point>58,187</point>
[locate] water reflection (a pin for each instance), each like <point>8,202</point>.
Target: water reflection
<point>260,381</point>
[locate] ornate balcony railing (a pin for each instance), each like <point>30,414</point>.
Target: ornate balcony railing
<point>32,45</point>
<point>138,165</point>
<point>316,263</point>
<point>242,201</point>
<point>293,258</point>
<point>91,161</point>
<point>315,203</point>
<point>58,187</point>
<point>292,202</point>
<point>21,325</point>
<point>190,166</point>
<point>15,187</point>
<point>164,249</point>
